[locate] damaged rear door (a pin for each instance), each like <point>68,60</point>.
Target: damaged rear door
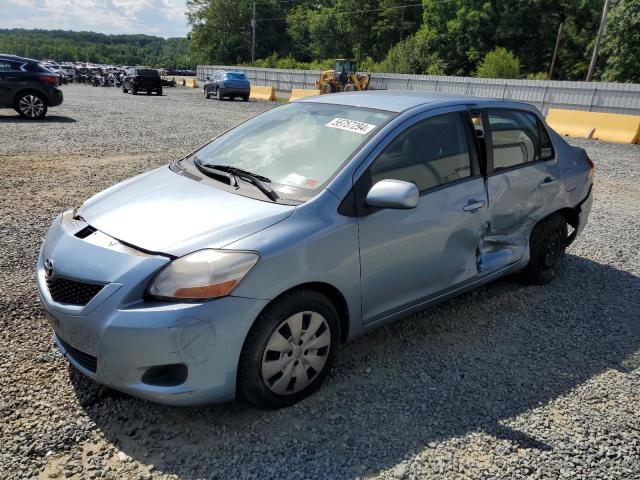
<point>523,178</point>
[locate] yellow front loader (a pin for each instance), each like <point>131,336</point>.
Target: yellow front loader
<point>343,78</point>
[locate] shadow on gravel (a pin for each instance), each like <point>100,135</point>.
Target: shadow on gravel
<point>47,119</point>
<point>467,365</point>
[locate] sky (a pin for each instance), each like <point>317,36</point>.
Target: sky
<point>163,18</point>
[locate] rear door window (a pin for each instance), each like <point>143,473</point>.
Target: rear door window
<point>518,138</point>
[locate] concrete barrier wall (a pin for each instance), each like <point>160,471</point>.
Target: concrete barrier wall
<point>609,127</point>
<point>593,96</point>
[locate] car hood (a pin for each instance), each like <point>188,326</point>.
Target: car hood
<point>164,212</point>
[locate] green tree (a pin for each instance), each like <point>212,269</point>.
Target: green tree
<point>96,47</point>
<point>499,63</point>
<point>622,43</point>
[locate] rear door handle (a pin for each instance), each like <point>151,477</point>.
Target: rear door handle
<point>473,205</point>
<point>548,182</point>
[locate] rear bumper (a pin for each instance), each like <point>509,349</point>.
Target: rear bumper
<point>54,97</point>
<point>583,209</point>
<point>235,91</point>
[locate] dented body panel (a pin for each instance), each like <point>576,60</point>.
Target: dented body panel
<point>376,264</point>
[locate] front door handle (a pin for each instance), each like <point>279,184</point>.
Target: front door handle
<point>473,205</point>
<point>548,182</point>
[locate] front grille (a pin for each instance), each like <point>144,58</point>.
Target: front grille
<point>87,361</point>
<point>72,292</point>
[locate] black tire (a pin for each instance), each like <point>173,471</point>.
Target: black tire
<point>219,94</point>
<point>159,92</point>
<point>31,105</point>
<point>327,88</point>
<point>206,94</point>
<point>134,90</point>
<point>547,248</point>
<point>350,87</point>
<point>148,91</point>
<point>124,89</point>
<point>245,98</point>
<point>252,388</point>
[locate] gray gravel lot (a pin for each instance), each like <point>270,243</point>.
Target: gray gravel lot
<point>509,381</point>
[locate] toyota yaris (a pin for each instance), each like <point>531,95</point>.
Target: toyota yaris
<point>237,271</point>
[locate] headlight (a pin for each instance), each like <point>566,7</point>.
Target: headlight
<point>202,275</point>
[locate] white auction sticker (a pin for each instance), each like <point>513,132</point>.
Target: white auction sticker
<point>351,125</point>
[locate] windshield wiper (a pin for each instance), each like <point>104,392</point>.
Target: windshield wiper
<point>216,173</point>
<point>254,179</point>
<point>238,171</point>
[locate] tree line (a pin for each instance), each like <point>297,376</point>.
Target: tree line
<point>93,47</point>
<point>511,38</point>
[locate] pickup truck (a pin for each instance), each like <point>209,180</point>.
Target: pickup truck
<point>142,79</point>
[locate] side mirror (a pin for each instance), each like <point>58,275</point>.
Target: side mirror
<point>393,194</point>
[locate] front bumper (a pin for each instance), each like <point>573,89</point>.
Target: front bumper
<point>117,336</point>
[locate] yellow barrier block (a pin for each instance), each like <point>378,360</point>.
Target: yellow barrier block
<point>262,93</point>
<point>297,93</point>
<point>191,83</point>
<point>609,127</point>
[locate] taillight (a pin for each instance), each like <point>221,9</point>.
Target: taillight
<point>50,79</point>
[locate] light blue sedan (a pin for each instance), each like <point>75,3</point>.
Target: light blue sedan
<point>237,271</point>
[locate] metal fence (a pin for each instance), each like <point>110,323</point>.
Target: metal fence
<point>544,94</point>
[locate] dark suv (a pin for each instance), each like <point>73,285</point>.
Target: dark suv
<point>142,79</point>
<point>27,86</point>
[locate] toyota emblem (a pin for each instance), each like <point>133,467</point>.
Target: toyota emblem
<point>48,268</point>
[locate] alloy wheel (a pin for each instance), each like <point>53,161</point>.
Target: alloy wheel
<point>31,106</point>
<point>296,353</point>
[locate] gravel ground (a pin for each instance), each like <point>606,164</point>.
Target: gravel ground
<point>509,381</point>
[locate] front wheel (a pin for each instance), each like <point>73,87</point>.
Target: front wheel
<point>124,89</point>
<point>289,350</point>
<point>31,105</point>
<point>547,247</point>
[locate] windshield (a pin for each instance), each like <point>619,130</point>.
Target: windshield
<point>299,145</point>
<point>234,75</point>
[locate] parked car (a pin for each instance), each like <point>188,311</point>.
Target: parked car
<point>227,84</point>
<point>27,87</point>
<point>142,79</point>
<point>237,271</point>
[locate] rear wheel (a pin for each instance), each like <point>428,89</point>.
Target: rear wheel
<point>148,91</point>
<point>31,105</point>
<point>350,87</point>
<point>124,89</point>
<point>159,92</point>
<point>289,351</point>
<point>245,98</point>
<point>219,94</point>
<point>134,90</point>
<point>547,247</point>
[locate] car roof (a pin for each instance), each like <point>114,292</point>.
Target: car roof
<point>397,101</point>
<point>15,58</point>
